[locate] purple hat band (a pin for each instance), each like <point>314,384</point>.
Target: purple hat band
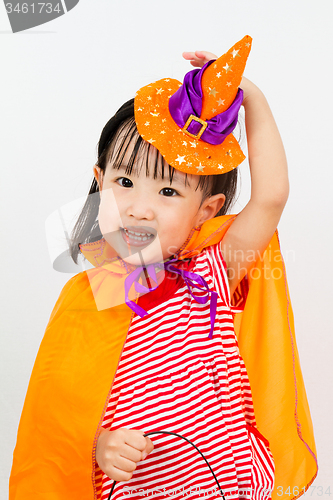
<point>187,101</point>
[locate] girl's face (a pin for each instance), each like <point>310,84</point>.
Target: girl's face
<point>153,216</point>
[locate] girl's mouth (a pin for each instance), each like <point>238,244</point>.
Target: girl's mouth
<point>138,237</point>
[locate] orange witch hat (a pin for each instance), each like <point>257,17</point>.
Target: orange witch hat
<point>157,104</point>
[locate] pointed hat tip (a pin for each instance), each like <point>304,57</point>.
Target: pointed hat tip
<point>221,79</point>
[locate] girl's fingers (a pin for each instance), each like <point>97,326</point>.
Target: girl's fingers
<point>188,55</point>
<point>194,60</point>
<point>198,58</point>
<point>205,56</point>
<point>197,64</point>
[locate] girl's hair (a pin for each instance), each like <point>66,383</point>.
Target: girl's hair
<point>86,228</point>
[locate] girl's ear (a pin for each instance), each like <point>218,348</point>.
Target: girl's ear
<point>210,207</point>
<point>98,174</point>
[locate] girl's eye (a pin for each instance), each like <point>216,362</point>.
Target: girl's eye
<point>168,192</point>
<point>124,182</point>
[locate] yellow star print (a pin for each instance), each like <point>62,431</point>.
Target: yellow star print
<point>213,91</point>
<point>180,159</point>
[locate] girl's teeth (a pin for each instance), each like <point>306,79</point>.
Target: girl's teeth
<point>137,236</point>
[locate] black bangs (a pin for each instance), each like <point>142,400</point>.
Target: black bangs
<point>144,153</point>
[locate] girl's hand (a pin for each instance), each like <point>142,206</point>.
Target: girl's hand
<point>117,452</point>
<point>200,58</point>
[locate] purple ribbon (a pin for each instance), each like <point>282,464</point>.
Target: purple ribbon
<point>190,279</point>
<point>188,101</point>
<point>133,278</point>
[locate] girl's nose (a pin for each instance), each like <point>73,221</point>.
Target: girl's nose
<point>140,208</point>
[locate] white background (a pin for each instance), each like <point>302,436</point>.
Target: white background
<point>62,81</point>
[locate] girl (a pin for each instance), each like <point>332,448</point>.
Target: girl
<point>146,341</point>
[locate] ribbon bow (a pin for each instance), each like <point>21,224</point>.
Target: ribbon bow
<point>191,279</point>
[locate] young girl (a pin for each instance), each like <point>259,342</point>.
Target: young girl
<point>146,341</point>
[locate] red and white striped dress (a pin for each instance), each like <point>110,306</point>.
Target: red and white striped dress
<point>172,377</point>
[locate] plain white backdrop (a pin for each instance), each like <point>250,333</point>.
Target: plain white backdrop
<point>62,81</point>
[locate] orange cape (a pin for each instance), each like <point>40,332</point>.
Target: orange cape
<point>71,381</point>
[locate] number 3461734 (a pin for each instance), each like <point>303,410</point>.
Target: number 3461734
<point>311,491</point>
<point>33,8</point>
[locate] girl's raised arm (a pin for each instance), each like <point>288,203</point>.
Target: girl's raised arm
<point>254,226</point>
